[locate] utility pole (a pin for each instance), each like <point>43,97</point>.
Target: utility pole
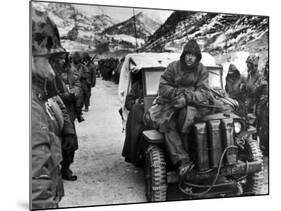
<point>135,28</point>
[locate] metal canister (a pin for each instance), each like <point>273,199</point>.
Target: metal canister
<point>228,140</point>
<point>215,142</point>
<point>202,158</point>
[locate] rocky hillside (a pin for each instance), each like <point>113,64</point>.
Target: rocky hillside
<point>77,28</point>
<point>70,21</point>
<point>140,25</point>
<point>216,33</point>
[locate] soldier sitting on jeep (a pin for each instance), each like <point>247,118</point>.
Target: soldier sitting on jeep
<point>184,82</point>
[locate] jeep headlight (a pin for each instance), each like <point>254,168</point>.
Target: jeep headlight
<point>237,127</point>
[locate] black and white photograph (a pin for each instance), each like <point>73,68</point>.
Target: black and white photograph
<point>136,105</point>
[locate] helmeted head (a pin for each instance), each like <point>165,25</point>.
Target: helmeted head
<point>45,43</point>
<point>76,57</point>
<point>252,62</point>
<point>191,55</point>
<point>86,56</point>
<point>45,35</point>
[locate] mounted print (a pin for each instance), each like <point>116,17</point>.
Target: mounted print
<point>137,105</point>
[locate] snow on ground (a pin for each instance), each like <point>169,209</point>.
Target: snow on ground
<point>86,34</point>
<point>56,19</point>
<point>41,6</point>
<point>64,30</point>
<point>72,46</point>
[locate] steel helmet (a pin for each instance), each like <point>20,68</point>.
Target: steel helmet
<point>253,59</point>
<point>76,56</point>
<point>45,35</point>
<point>86,56</point>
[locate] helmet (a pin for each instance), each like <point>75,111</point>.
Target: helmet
<point>86,56</point>
<point>253,59</point>
<point>45,35</point>
<point>76,56</point>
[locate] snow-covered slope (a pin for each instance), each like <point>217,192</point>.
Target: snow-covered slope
<point>139,25</point>
<point>214,32</point>
<point>66,16</point>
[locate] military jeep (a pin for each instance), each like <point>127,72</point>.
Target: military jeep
<point>228,161</point>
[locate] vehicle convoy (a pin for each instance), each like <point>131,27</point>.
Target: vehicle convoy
<point>228,160</point>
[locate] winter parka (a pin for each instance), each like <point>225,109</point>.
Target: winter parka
<point>191,81</point>
<point>47,187</point>
<point>179,79</point>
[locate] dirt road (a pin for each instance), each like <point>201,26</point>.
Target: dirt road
<point>103,176</point>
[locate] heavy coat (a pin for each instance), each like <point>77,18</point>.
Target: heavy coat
<point>252,85</point>
<point>178,79</point>
<point>233,82</point>
<point>86,83</point>
<point>92,70</point>
<point>50,122</point>
<point>70,91</point>
<point>47,187</point>
<point>85,74</point>
<point>133,145</point>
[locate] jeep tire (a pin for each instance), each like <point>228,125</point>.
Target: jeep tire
<point>254,181</point>
<point>155,174</point>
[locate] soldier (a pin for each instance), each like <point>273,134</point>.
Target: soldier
<point>133,145</point>
<point>71,77</point>
<point>117,70</point>
<point>49,122</point>
<point>249,88</point>
<point>89,79</point>
<point>184,82</point>
<point>262,110</point>
<point>69,87</point>
<point>84,80</point>
<point>234,80</point>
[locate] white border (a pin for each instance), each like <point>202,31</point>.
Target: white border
<point>15,103</point>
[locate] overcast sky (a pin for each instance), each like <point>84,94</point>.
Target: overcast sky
<point>122,13</point>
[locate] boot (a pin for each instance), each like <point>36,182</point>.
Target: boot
<point>80,118</point>
<point>185,168</point>
<point>66,174</point>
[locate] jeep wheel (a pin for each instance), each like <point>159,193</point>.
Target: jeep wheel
<point>155,174</point>
<point>254,181</point>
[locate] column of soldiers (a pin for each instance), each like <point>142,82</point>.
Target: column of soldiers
<point>252,94</point>
<point>60,89</point>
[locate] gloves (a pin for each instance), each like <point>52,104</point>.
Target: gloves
<point>68,142</point>
<point>179,102</point>
<point>139,101</point>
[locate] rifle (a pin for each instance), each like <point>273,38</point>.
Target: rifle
<point>92,59</point>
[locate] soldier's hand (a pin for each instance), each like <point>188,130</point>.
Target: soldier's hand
<point>139,101</point>
<point>67,97</point>
<point>179,102</point>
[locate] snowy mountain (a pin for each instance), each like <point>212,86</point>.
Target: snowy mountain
<point>216,33</point>
<point>79,27</point>
<point>140,25</point>
<point>69,19</point>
